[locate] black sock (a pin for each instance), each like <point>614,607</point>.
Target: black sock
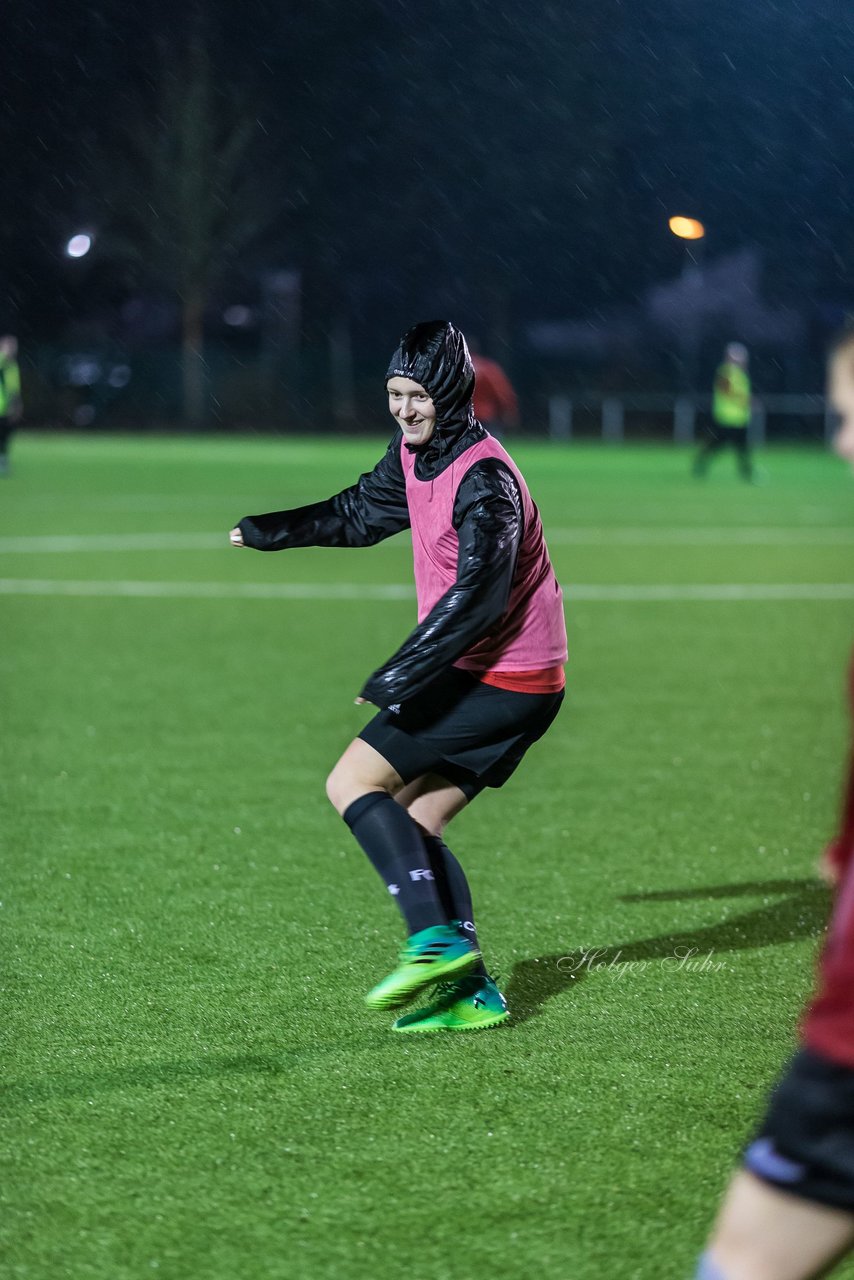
<point>453,889</point>
<point>395,846</point>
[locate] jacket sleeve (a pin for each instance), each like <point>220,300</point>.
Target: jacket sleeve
<point>488,519</point>
<point>373,508</point>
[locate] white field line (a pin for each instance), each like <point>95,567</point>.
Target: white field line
<point>613,592</point>
<point>620,535</point>
<point>807,535</point>
<point>206,590</point>
<point>45,544</point>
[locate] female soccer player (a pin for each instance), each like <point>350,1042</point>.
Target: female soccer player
<point>789,1213</point>
<point>470,689</point>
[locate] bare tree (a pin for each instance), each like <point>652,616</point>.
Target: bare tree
<point>183,196</point>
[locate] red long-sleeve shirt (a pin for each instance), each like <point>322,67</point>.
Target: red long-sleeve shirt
<point>828,1024</point>
<point>494,397</point>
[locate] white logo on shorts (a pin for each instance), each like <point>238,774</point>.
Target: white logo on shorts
<point>423,873</point>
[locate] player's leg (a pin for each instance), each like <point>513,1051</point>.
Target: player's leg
<point>392,750</point>
<point>712,444</point>
<point>499,727</point>
<point>5,435</point>
<point>766,1234</point>
<point>360,770</point>
<point>432,802</point>
<point>745,461</point>
<point>472,1001</point>
<point>458,723</point>
<point>789,1212</point>
<point>361,787</point>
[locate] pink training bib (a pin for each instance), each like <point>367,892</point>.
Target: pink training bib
<point>531,634</point>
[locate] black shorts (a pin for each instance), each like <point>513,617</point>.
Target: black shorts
<point>468,732</point>
<point>738,437</point>
<point>805,1144</point>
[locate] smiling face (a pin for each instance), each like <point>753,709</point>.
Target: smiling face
<point>841,391</point>
<point>412,409</point>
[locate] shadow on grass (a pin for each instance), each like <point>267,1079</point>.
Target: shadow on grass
<point>150,1075</point>
<point>801,910</point>
<point>142,1075</point>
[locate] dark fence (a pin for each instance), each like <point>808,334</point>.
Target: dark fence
<point>103,386</point>
<point>681,417</point>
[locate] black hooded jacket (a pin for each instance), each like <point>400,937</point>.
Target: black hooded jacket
<point>487,516</point>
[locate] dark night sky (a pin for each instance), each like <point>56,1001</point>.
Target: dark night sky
<point>459,157</point>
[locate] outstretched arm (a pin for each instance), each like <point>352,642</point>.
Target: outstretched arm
<point>488,519</point>
<point>370,510</point>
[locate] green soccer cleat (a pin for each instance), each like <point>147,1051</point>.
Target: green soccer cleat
<point>463,1004</point>
<point>429,955</point>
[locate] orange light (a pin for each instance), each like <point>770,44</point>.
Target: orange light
<point>687,228</point>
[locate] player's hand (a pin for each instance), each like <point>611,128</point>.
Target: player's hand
<point>236,538</point>
<point>360,702</point>
<point>829,866</point>
<point>826,871</point>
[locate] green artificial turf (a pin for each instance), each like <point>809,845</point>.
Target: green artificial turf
<point>193,1088</point>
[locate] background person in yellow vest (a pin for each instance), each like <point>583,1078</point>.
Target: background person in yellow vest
<point>10,396</point>
<point>731,412</point>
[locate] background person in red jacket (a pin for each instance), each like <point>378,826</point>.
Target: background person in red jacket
<point>495,402</point>
<point>789,1211</point>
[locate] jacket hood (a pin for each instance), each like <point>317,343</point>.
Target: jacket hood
<point>434,354</point>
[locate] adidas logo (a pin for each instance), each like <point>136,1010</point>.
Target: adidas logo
<point>394,708</point>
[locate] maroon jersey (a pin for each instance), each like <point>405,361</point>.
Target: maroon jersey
<point>494,397</point>
<point>828,1025</point>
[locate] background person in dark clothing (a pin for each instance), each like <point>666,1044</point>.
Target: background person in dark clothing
<point>10,396</point>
